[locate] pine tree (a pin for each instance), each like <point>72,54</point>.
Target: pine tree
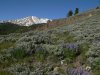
<point>97,7</point>
<point>76,11</point>
<point>70,13</point>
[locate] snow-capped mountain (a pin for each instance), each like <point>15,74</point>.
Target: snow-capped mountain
<point>27,21</point>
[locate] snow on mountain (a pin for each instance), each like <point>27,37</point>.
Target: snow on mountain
<point>27,21</point>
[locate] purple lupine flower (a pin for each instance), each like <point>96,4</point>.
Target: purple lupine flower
<point>72,46</point>
<point>74,72</point>
<point>78,71</point>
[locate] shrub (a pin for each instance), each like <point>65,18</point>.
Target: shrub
<point>40,55</point>
<point>96,64</point>
<point>5,73</point>
<point>73,48</point>
<point>18,53</point>
<point>96,73</point>
<point>54,49</point>
<point>69,54</point>
<point>21,69</point>
<point>94,51</point>
<point>5,45</point>
<point>42,39</point>
<point>53,58</point>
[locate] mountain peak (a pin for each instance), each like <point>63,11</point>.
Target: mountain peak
<point>27,21</point>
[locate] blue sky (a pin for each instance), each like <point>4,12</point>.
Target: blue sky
<point>13,9</point>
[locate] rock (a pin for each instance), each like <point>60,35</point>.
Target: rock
<point>88,68</point>
<point>90,15</point>
<point>63,62</point>
<point>56,69</point>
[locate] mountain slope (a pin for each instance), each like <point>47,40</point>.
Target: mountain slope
<point>8,28</point>
<point>69,49</point>
<point>79,17</point>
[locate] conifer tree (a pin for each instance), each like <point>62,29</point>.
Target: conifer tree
<point>70,13</point>
<point>76,11</point>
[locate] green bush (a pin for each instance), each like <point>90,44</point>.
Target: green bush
<point>5,73</point>
<point>96,73</point>
<point>6,45</point>
<point>96,64</point>
<point>18,53</point>
<point>53,58</point>
<point>40,55</point>
<point>69,54</point>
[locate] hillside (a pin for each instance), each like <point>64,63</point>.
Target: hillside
<point>8,28</point>
<point>73,19</point>
<point>49,24</point>
<point>64,47</point>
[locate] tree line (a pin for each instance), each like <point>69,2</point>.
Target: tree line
<point>70,12</point>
